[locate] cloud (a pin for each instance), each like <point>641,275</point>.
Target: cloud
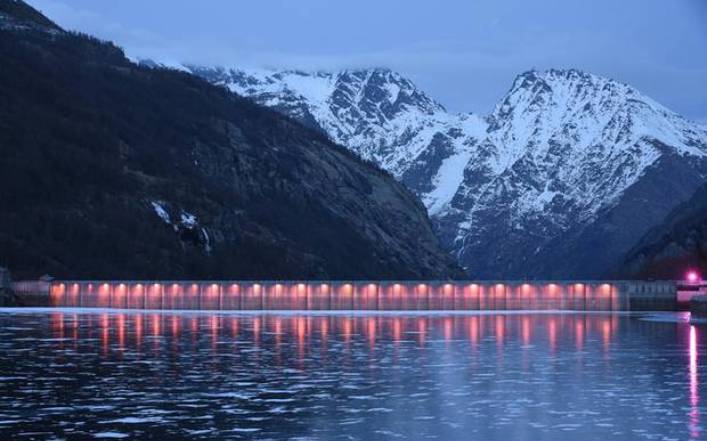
<point>465,54</point>
<point>72,18</point>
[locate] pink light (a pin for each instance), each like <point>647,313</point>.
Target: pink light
<point>693,276</point>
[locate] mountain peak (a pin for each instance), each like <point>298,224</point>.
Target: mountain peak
<point>18,15</point>
<point>570,99</point>
<point>537,80</point>
<point>369,110</point>
<point>378,70</point>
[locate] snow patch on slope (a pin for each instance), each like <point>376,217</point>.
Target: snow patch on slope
<point>160,210</point>
<point>187,226</point>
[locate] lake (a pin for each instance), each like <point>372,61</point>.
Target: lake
<point>93,374</point>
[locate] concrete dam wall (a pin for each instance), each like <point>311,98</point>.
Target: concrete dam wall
<point>352,295</point>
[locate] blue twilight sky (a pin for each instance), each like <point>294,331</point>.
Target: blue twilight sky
<point>464,53</point>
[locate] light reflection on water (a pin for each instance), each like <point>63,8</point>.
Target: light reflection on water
<point>70,374</point>
<point>694,386</point>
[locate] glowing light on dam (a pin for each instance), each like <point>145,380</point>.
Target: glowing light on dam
<point>324,295</point>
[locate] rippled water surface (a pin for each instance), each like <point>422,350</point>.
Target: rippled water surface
<point>86,375</point>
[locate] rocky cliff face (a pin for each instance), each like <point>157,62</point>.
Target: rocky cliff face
<point>110,169</point>
<point>564,176</point>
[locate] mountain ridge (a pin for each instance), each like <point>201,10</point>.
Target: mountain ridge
<point>113,170</point>
<point>559,151</point>
<point>16,14</point>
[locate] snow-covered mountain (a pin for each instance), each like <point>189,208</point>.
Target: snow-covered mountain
<point>574,169</point>
<point>564,176</point>
<point>377,113</point>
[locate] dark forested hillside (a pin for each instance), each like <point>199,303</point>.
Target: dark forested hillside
<point>108,169</point>
<point>678,244</point>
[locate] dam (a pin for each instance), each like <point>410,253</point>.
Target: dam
<point>351,295</point>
